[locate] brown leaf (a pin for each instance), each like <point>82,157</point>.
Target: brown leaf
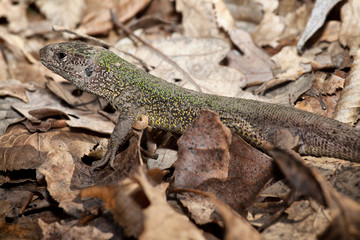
<point>203,152</point>
<point>126,162</point>
<point>347,109</point>
<point>350,28</point>
<point>236,176</point>
<point>97,19</point>
<point>140,206</point>
<point>20,149</point>
<point>15,89</point>
<point>42,100</point>
<point>160,220</point>
<point>236,227</point>
<point>125,200</point>
<point>200,57</point>
<point>198,19</point>
<point>316,20</point>
<point>254,62</point>
<point>345,211</point>
<point>65,13</point>
<point>15,15</point>
<point>69,230</point>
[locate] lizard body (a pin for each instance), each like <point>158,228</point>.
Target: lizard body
<point>172,108</point>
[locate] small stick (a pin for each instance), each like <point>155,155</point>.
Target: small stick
<point>57,28</point>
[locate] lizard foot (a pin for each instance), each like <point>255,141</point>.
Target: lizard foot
<point>108,158</point>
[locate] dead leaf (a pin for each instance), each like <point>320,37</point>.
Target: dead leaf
<point>139,206</point>
<point>347,108</point>
<point>269,31</point>
<point>290,93</point>
<point>316,20</point>
<point>160,220</point>
<point>200,58</point>
<point>42,100</point>
<point>20,150</point>
<point>204,163</point>
<point>350,28</point>
<point>345,212</point>
<point>15,15</point>
<point>207,141</point>
<point>69,230</point>
<point>63,13</point>
<point>236,227</point>
<point>15,89</point>
<point>201,209</point>
<point>254,62</point>
<point>125,200</point>
<point>3,69</point>
<point>289,66</point>
<point>249,11</point>
<point>97,18</point>
<point>331,32</point>
<point>198,18</point>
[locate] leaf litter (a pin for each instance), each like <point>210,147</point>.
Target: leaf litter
<point>217,186</point>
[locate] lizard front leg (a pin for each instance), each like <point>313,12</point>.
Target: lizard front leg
<point>118,137</point>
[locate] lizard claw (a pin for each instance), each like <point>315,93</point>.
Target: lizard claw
<point>109,157</point>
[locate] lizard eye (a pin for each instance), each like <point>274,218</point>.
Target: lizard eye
<point>89,70</point>
<point>61,55</point>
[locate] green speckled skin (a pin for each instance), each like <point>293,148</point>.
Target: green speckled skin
<point>134,92</point>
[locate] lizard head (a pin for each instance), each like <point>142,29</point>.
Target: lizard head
<point>74,61</point>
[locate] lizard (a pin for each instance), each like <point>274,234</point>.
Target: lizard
<point>134,92</point>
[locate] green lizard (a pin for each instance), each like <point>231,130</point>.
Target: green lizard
<point>169,107</point>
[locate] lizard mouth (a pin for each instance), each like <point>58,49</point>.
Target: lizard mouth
<point>45,56</point>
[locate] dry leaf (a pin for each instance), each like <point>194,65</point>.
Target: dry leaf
<point>289,65</point>
<point>345,212</point>
<point>160,220</point>
<point>249,11</point>
<point>97,18</point>
<point>236,227</point>
<point>350,28</point>
<point>200,58</point>
<point>254,62</point>
<point>22,150</point>
<point>204,163</point>
<point>281,24</point>
<point>15,89</point>
<point>69,230</point>
<point>316,20</point>
<point>269,31</point>
<point>43,99</point>
<point>140,206</point>
<point>66,13</point>
<point>200,208</point>
<point>14,14</point>
<point>198,18</point>
<point>125,200</point>
<point>331,32</point>
<point>203,152</point>
<point>347,109</point>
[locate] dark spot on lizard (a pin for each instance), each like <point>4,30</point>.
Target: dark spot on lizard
<point>89,70</point>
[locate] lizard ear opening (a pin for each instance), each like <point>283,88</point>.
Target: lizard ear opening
<point>89,70</point>
<point>61,55</point>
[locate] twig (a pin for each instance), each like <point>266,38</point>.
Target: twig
<point>57,28</point>
<point>144,19</point>
<point>157,51</point>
